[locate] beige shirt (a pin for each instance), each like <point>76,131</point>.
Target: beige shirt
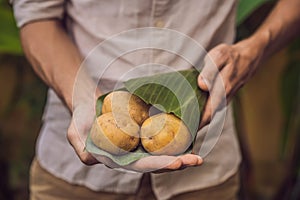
<point>209,22</point>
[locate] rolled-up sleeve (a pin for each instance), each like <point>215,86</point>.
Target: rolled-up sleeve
<point>26,11</point>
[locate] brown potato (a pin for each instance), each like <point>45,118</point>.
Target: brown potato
<point>165,134</point>
<point>124,102</point>
<point>116,134</point>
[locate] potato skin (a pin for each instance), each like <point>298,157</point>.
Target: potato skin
<point>116,134</point>
<point>124,102</point>
<point>165,134</point>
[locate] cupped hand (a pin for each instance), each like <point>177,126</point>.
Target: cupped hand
<point>81,123</point>
<point>82,120</point>
<point>164,163</point>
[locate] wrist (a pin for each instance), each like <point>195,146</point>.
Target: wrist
<point>259,43</point>
<point>255,47</point>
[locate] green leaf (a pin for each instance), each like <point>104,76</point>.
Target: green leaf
<point>121,160</point>
<point>151,91</point>
<point>9,36</point>
<point>99,104</point>
<point>246,7</point>
<point>174,92</point>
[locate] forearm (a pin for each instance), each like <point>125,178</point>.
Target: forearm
<point>53,56</point>
<point>237,63</point>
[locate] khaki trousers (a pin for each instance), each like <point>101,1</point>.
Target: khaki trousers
<point>45,186</point>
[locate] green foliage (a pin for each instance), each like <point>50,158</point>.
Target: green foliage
<point>246,7</point>
<point>9,37</point>
<point>174,92</point>
<point>121,160</point>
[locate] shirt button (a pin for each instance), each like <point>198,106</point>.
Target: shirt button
<point>159,24</point>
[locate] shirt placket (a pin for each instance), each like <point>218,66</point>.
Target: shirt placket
<point>157,20</point>
<point>159,7</point>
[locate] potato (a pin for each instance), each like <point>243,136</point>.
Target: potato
<point>165,134</point>
<point>124,102</point>
<point>115,133</point>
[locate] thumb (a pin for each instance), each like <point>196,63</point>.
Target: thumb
<point>206,114</point>
<point>214,62</point>
<point>202,83</point>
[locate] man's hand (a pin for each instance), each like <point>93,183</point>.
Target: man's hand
<point>156,164</point>
<point>83,117</point>
<point>226,69</point>
<point>160,164</point>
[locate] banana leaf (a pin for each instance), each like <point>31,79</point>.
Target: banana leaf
<point>174,92</point>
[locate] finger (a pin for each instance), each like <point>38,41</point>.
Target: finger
<point>206,114</point>
<point>154,163</point>
<point>182,162</point>
<point>191,160</point>
<point>228,76</point>
<point>79,146</point>
<point>175,165</point>
<point>213,63</point>
<point>202,83</point>
<point>233,79</point>
<point>87,158</point>
<point>217,100</point>
<point>106,161</point>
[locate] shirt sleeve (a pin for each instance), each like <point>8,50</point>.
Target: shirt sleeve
<point>26,11</point>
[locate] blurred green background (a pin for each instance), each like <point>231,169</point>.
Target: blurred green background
<point>267,113</point>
